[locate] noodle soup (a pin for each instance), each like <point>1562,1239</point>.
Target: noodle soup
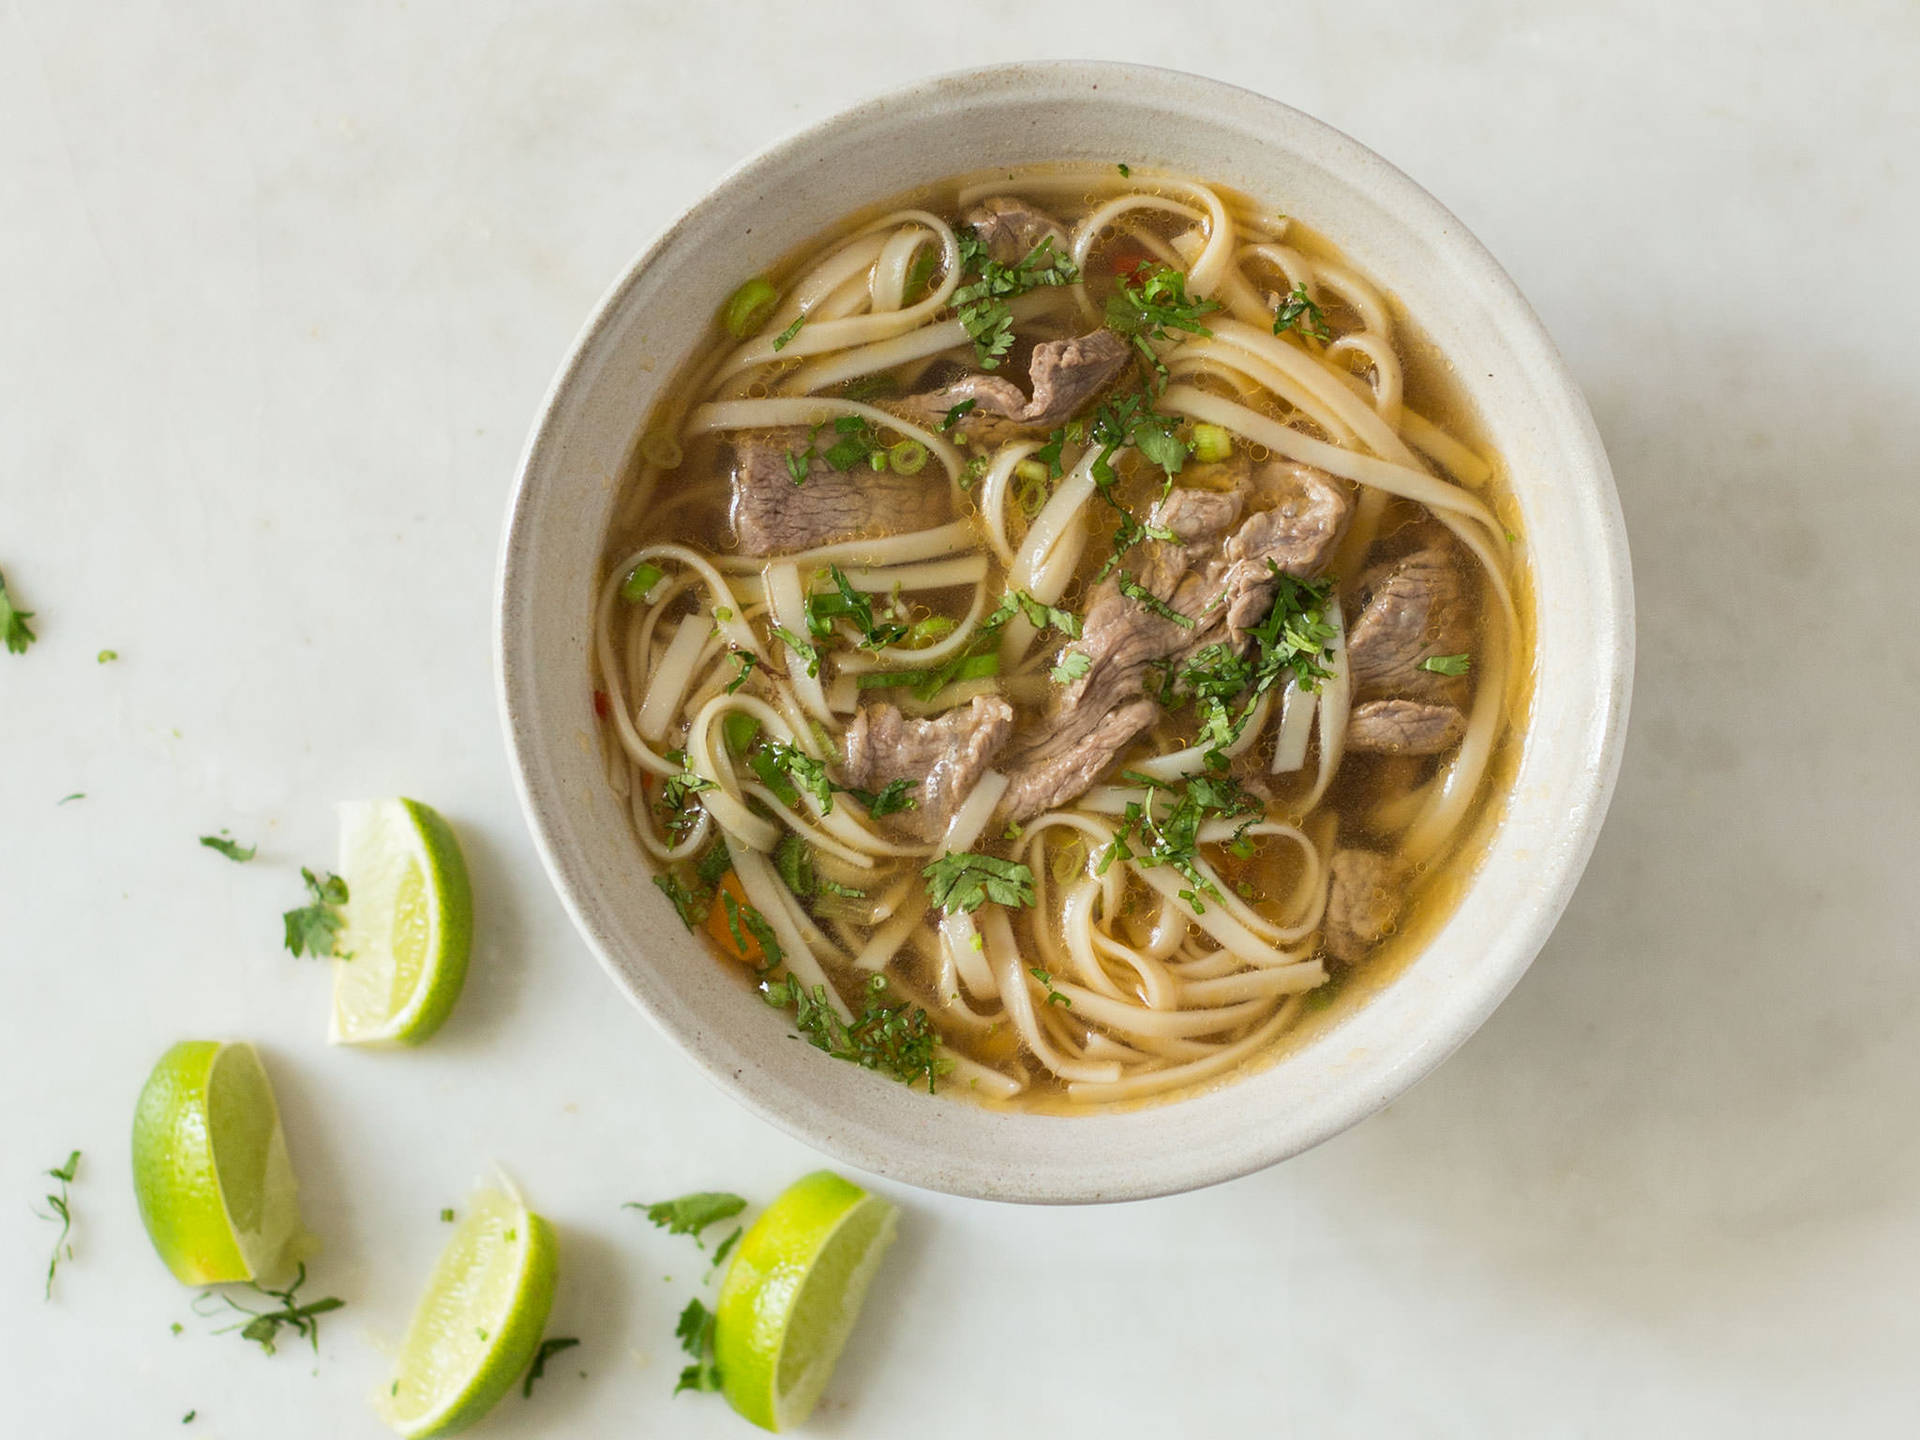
<point>1056,634</point>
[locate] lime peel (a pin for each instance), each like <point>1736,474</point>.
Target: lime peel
<point>211,1170</point>
<point>793,1293</point>
<point>479,1319</point>
<point>409,924</point>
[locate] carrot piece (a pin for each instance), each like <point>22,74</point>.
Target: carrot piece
<point>722,933</point>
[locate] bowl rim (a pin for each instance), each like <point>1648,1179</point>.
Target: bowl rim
<point>1603,735</point>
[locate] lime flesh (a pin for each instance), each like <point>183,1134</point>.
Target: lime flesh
<point>409,924</point>
<point>792,1294</point>
<point>478,1322</point>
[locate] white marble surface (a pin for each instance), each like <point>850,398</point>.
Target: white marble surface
<point>280,288</point>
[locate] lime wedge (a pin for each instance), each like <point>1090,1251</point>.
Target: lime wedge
<point>792,1294</point>
<point>409,924</point>
<point>479,1322</point>
<point>210,1166</point>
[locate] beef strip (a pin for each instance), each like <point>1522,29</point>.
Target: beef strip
<point>1414,607</point>
<point>1361,904</point>
<point>946,755</point>
<point>1066,375</point>
<point>1299,534</point>
<point>774,516</point>
<point>1010,227</point>
<point>1404,727</point>
<point>1099,713</point>
<point>1199,518</point>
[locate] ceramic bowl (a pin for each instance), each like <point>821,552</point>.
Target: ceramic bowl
<point>1534,416</point>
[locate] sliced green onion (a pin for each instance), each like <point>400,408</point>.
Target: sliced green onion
<point>749,307</point>
<point>877,459</point>
<point>658,447</point>
<point>977,667</point>
<point>1211,444</point>
<point>739,730</point>
<point>640,583</point>
<point>1034,472</point>
<point>909,457</point>
<point>794,861</point>
<point>885,679</point>
<point>926,631</point>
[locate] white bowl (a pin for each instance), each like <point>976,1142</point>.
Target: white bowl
<point>1534,414</point>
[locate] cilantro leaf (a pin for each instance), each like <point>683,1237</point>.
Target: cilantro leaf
<point>966,881</point>
<point>1447,664</point>
<point>1147,600</point>
<point>229,847</point>
<point>690,1214</point>
<point>1072,666</point>
<point>314,929</point>
<point>14,630</point>
<point>695,1332</point>
<point>801,770</point>
<point>1298,313</point>
<point>804,649</point>
<point>548,1349</point>
<point>889,799</point>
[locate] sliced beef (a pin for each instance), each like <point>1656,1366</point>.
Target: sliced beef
<point>1414,607</point>
<point>1010,227</point>
<point>773,516</point>
<point>1298,533</point>
<point>1098,714</point>
<point>1361,904</point>
<point>1198,518</point>
<point>1066,375</point>
<point>1404,727</point>
<point>1066,760</point>
<point>946,755</point>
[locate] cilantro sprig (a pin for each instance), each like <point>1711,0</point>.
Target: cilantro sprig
<point>262,1327</point>
<point>62,1212</point>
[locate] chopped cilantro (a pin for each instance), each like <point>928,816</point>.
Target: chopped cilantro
<point>889,799</point>
<point>1072,666</point>
<point>548,1349</point>
<point>14,629</point>
<point>966,881</point>
<point>229,847</point>
<point>695,1330</point>
<point>58,1205</point>
<point>314,929</point>
<point>690,1214</point>
<point>1300,314</point>
<point>1447,664</point>
<point>982,304</point>
<point>897,1040</point>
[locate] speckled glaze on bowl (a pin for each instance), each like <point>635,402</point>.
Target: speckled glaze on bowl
<point>1534,415</point>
